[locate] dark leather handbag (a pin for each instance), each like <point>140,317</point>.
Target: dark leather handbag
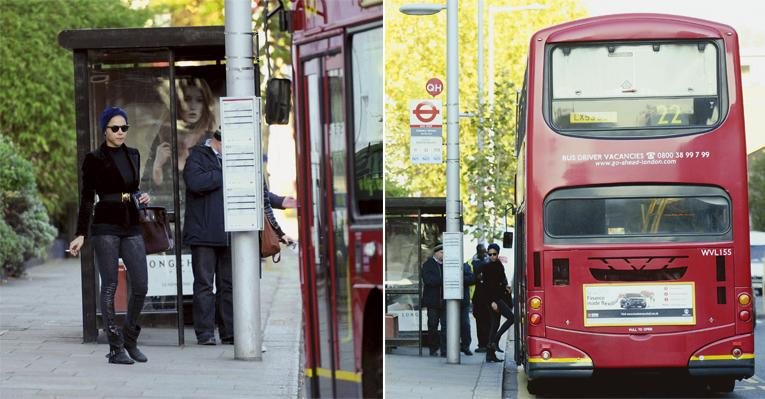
<point>155,229</point>
<point>269,240</point>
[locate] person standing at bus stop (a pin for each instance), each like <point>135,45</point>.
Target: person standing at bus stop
<point>496,300</point>
<point>112,172</point>
<point>433,299</point>
<point>482,317</point>
<point>467,281</point>
<point>204,231</point>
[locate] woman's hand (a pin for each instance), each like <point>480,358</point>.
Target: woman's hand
<point>160,159</point>
<point>286,239</point>
<point>144,198</point>
<point>163,154</point>
<point>289,202</point>
<point>75,245</point>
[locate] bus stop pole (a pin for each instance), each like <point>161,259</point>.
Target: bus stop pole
<point>245,246</point>
<point>452,170</point>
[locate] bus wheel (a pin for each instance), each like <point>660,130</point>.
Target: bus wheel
<point>533,386</point>
<point>372,354</point>
<point>372,380</point>
<point>722,385</point>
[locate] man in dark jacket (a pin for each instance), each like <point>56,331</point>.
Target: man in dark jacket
<point>433,299</point>
<point>210,252</point>
<point>467,281</point>
<point>482,318</point>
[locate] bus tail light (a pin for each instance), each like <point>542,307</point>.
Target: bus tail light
<point>535,302</point>
<point>744,315</point>
<point>744,299</point>
<point>535,319</point>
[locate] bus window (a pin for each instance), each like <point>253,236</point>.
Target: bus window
<point>652,86</point>
<point>668,215</point>
<point>366,53</point>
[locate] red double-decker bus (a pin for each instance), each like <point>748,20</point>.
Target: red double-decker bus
<point>632,224</point>
<point>337,58</point>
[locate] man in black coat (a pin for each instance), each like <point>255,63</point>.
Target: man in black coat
<point>482,317</point>
<point>467,280</point>
<point>210,252</point>
<point>433,299</point>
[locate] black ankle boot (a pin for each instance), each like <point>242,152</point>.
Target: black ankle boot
<point>117,355</point>
<point>491,356</point>
<point>131,343</point>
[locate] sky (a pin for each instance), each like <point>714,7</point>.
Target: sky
<point>745,16</point>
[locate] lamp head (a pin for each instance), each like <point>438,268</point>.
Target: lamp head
<point>421,9</point>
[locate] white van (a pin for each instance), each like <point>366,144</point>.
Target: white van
<point>757,255</point>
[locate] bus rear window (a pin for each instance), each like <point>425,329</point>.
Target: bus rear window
<point>653,86</point>
<point>628,212</point>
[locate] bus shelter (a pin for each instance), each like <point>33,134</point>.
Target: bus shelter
<point>169,80</point>
<point>412,227</point>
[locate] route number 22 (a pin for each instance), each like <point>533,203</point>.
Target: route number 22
<point>665,112</point>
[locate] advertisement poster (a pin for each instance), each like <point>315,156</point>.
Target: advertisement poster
<point>162,275</point>
<point>407,319</point>
<point>645,304</point>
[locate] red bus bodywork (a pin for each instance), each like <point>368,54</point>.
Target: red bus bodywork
<point>341,246</point>
<point>719,345</point>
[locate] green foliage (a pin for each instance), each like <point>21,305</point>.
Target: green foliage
<point>211,12</point>
<point>37,86</point>
<point>24,228</point>
<point>393,190</point>
<point>415,51</point>
<point>757,191</point>
<point>189,12</point>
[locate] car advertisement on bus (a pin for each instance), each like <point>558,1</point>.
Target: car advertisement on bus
<point>639,304</point>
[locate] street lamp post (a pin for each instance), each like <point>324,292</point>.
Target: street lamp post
<point>452,157</point>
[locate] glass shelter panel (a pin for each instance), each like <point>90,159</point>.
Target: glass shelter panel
<point>409,241</point>
<point>138,82</point>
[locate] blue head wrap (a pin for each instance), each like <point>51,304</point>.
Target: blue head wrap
<point>108,113</point>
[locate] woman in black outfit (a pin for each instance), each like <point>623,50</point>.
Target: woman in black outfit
<point>496,299</point>
<point>112,172</point>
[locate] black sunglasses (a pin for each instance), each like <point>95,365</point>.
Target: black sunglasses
<point>493,253</point>
<point>115,128</point>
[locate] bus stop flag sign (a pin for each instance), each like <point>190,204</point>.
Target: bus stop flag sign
<point>426,127</point>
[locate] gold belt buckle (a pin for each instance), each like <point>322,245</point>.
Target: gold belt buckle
<point>125,197</point>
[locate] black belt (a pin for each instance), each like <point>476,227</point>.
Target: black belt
<point>116,197</point>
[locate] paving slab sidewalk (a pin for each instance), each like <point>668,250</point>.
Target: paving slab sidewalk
<point>42,354</point>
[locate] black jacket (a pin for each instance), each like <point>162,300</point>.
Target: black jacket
<point>468,279</point>
<point>494,283</point>
<point>433,278</point>
<point>203,220</point>
<point>101,176</point>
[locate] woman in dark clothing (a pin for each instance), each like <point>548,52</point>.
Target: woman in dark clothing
<point>112,172</point>
<point>496,296</point>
